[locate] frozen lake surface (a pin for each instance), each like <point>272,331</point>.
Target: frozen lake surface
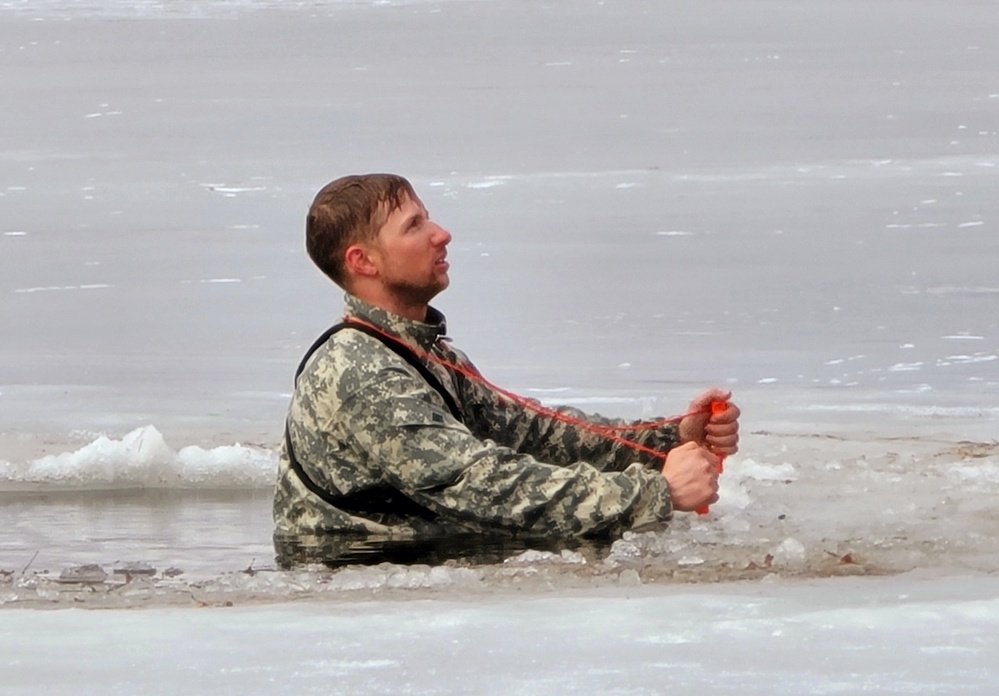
<point>794,201</point>
<point>907,635</point>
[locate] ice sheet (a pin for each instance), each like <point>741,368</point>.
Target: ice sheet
<point>908,635</point>
<point>794,200</point>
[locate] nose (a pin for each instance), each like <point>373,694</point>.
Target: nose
<point>441,236</point>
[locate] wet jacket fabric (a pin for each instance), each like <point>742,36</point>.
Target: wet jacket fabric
<point>366,427</point>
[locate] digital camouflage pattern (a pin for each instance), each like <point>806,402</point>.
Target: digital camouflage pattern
<point>362,419</point>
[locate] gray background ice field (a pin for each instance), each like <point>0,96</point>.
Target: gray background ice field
<point>794,200</point>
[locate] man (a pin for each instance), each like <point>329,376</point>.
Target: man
<point>392,433</point>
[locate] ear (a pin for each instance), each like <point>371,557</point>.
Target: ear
<point>360,260</point>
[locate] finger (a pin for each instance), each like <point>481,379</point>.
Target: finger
<point>717,444</point>
<point>729,415</point>
<point>716,441</point>
<point>724,438</point>
<point>721,429</point>
<point>710,461</point>
<point>703,400</point>
<point>724,447</point>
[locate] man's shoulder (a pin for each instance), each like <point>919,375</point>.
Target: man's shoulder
<point>345,366</point>
<point>349,354</point>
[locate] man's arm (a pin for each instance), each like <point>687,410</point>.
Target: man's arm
<point>418,448</point>
<point>491,415</point>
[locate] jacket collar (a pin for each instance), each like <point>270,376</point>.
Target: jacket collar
<point>421,333</point>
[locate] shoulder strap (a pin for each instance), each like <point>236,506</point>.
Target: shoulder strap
<point>375,501</point>
<point>397,347</point>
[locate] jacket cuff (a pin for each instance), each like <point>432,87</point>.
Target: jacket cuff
<point>654,504</point>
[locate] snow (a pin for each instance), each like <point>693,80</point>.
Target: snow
<point>142,459</point>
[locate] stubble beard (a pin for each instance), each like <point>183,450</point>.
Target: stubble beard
<point>414,294</point>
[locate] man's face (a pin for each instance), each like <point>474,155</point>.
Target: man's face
<point>410,252</point>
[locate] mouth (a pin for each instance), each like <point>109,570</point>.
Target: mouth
<point>442,263</point>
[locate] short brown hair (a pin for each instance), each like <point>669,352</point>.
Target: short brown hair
<point>350,210</point>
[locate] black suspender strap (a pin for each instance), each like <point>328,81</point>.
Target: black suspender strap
<point>387,500</point>
<point>397,347</point>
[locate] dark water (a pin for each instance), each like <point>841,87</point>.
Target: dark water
<point>202,533</point>
<point>209,533</point>
<point>458,549</point>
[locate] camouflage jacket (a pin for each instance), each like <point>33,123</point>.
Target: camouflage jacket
<point>363,420</point>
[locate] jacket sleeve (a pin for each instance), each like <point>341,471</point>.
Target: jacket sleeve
<point>420,449</point>
<point>490,414</point>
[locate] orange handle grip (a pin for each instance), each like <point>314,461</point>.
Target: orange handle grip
<point>716,408</point>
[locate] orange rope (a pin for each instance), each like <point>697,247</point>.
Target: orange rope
<point>608,431</point>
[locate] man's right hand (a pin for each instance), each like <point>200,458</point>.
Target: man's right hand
<point>692,474</point>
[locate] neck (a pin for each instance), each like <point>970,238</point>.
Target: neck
<point>414,311</point>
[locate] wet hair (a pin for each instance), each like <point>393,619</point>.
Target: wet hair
<point>348,211</point>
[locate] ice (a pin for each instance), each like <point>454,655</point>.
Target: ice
<point>142,459</point>
<point>906,635</point>
<point>86,574</point>
<point>885,505</point>
<point>534,557</point>
<point>133,568</point>
<point>906,367</point>
<point>749,469</point>
<point>790,553</point>
<point>966,359</point>
<point>233,191</point>
<point>861,469</point>
<point>51,288</point>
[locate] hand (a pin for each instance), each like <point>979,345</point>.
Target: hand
<point>717,431</point>
<point>692,476</point>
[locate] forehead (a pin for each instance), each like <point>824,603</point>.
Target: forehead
<point>410,201</point>
<point>409,205</point>
<point>393,220</point>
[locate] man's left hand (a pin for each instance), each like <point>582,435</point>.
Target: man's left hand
<point>719,432</point>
